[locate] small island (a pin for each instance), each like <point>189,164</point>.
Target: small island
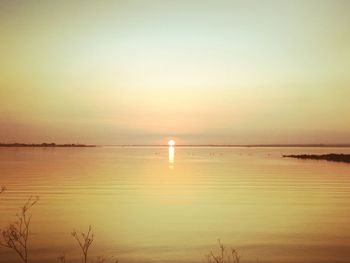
<point>334,157</point>
<point>43,145</point>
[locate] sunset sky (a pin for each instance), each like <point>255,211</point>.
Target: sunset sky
<point>120,72</point>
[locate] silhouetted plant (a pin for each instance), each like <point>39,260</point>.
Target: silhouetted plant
<point>84,241</point>
<point>62,258</point>
<point>15,235</point>
<point>104,260</point>
<point>224,255</point>
<point>101,260</point>
<point>2,189</point>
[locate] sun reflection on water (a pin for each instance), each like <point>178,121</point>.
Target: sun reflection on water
<point>171,156</point>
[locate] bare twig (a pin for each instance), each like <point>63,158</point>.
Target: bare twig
<point>15,235</point>
<point>101,260</point>
<point>62,258</point>
<point>84,241</point>
<point>2,189</point>
<point>223,256</point>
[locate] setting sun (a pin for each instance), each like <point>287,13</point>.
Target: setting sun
<point>171,142</point>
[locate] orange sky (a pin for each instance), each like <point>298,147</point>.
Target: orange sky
<point>115,72</point>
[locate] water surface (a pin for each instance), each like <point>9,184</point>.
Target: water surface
<point>145,207</point>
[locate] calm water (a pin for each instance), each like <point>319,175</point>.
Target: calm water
<point>145,209</point>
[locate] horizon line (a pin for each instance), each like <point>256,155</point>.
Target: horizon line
<point>236,145</point>
<point>320,145</point>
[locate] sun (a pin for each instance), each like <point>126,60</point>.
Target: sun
<point>171,142</point>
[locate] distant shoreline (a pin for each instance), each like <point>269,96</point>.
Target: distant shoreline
<point>334,157</point>
<point>43,145</point>
<point>180,145</point>
<point>236,145</point>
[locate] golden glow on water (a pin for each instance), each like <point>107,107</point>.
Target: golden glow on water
<point>171,156</point>
<point>250,198</point>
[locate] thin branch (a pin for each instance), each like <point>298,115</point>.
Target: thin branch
<point>223,256</point>
<point>2,189</point>
<point>84,241</point>
<point>15,235</point>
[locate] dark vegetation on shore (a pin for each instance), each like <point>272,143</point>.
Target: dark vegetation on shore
<point>345,158</point>
<point>319,145</point>
<point>43,145</point>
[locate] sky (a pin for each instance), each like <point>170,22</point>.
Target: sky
<point>141,72</point>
